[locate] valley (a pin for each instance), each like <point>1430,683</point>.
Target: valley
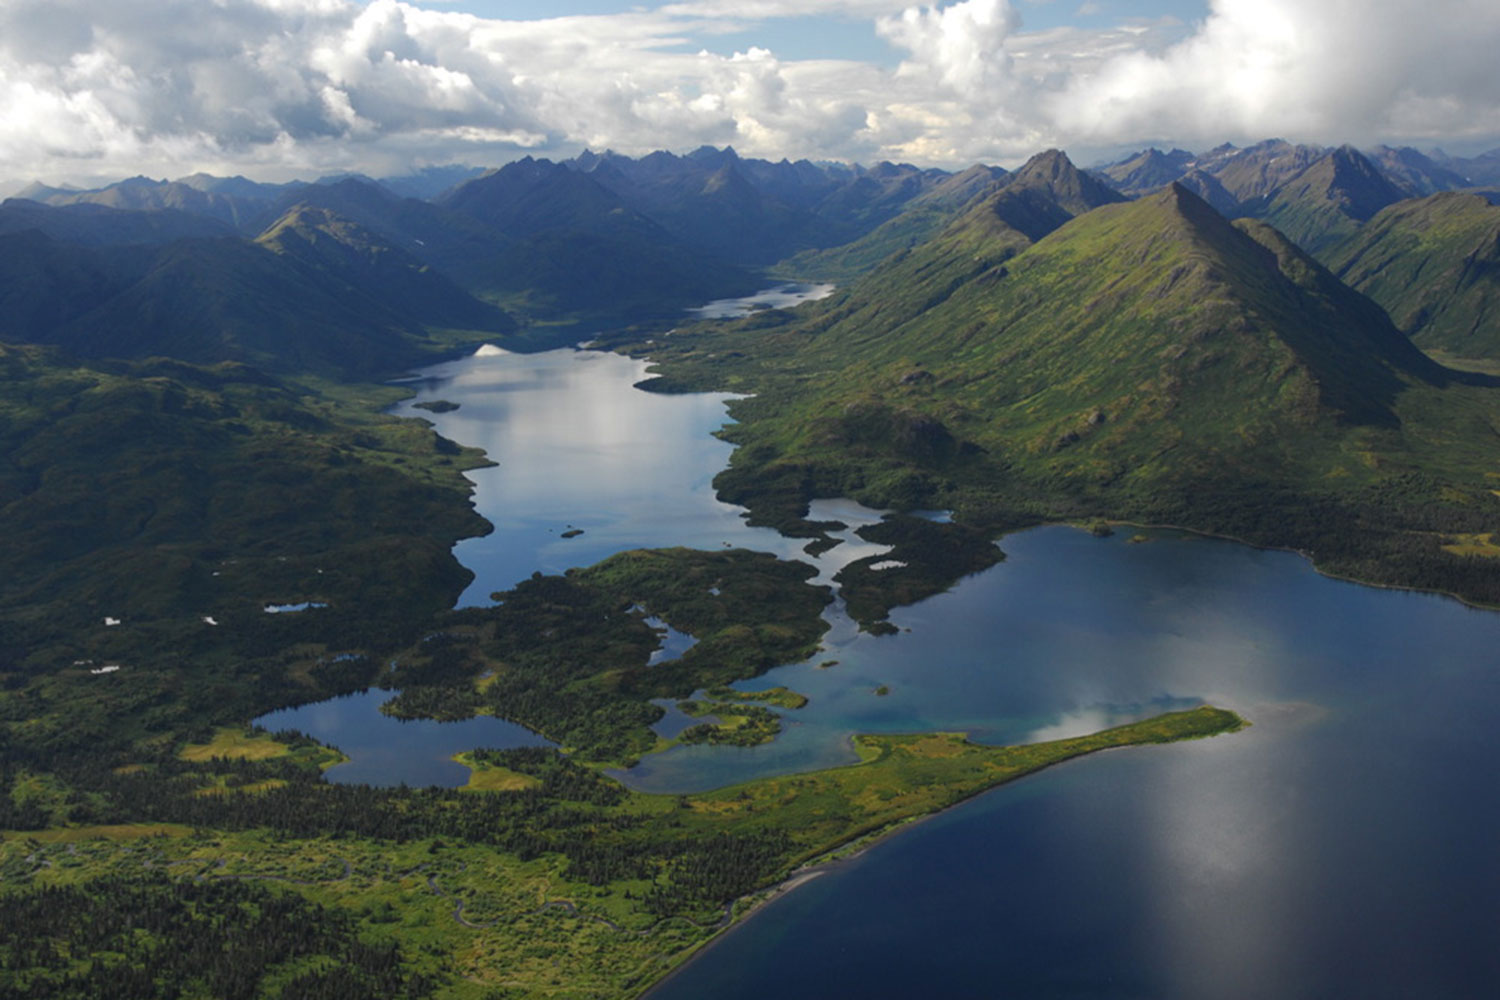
<point>878,607</point>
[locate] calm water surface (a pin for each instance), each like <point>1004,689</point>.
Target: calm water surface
<point>1346,845</point>
<point>576,446</point>
<point>383,750</point>
<point>781,297</point>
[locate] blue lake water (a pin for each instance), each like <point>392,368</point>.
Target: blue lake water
<point>384,750</point>
<point>1348,844</point>
<point>1345,845</point>
<point>670,643</point>
<point>781,297</point>
<point>576,446</point>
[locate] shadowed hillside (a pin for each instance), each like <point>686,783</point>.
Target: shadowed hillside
<point>1434,264</point>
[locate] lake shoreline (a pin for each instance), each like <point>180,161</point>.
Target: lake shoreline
<point>748,907</point>
<point>1311,560</point>
<point>852,850</point>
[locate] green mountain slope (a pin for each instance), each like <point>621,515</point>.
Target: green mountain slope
<point>1044,194</point>
<point>924,217</point>
<point>1147,361</point>
<point>1133,320</point>
<point>1434,264</point>
<point>44,283</point>
<point>340,250</point>
<point>206,301</point>
<point>565,244</point>
<point>316,293</point>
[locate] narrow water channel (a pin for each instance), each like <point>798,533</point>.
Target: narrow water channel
<point>1345,845</point>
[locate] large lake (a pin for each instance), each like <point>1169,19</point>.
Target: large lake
<point>1348,844</point>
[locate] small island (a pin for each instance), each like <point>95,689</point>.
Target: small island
<point>739,719</point>
<point>435,406</point>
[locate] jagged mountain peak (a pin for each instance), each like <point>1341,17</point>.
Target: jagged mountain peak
<point>1362,186</point>
<point>1053,173</point>
<point>1183,201</point>
<point>38,191</point>
<point>1045,193</point>
<point>1328,200</point>
<point>1185,330</point>
<point>1147,170</point>
<point>355,185</point>
<point>1050,164</point>
<point>713,155</point>
<point>729,180</point>
<point>532,195</point>
<point>1261,170</point>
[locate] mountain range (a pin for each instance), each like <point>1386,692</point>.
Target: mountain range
<point>1316,196</point>
<point>1060,350</point>
<point>314,293</point>
<point>604,233</point>
<point>1285,345</point>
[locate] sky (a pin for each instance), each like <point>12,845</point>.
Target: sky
<point>96,90</point>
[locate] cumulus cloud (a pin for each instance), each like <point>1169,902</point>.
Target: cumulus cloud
<point>763,9</point>
<point>1335,69</point>
<point>284,87</point>
<point>961,47</point>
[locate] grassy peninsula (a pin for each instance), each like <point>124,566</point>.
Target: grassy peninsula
<point>551,882</point>
<point>140,790</point>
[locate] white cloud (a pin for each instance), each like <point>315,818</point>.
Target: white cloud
<point>282,87</point>
<point>1333,70</point>
<point>961,46</point>
<point>762,9</point>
